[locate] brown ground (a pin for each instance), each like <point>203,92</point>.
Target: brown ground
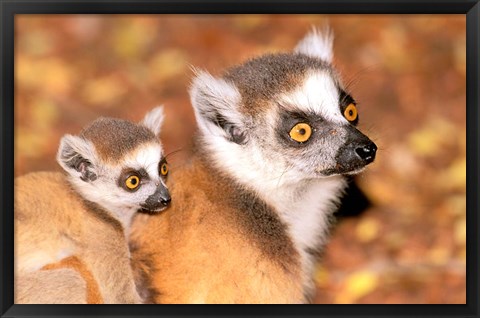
<point>407,72</point>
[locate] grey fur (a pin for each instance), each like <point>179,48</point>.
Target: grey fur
<point>113,138</point>
<point>261,79</point>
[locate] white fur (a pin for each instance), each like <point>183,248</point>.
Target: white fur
<point>317,44</point>
<point>65,252</point>
<point>153,120</point>
<point>40,257</point>
<point>206,89</point>
<point>105,191</point>
<point>34,262</point>
<point>146,156</point>
<point>305,207</point>
<point>79,146</point>
<point>319,94</point>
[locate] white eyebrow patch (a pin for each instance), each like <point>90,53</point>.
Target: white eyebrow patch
<point>317,94</point>
<point>146,156</point>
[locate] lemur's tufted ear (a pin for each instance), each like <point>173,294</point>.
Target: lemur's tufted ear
<point>215,102</point>
<point>77,157</point>
<point>153,120</point>
<point>317,43</point>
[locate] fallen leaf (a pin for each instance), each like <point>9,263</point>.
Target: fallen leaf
<point>30,143</point>
<point>51,76</point>
<point>367,230</point>
<point>455,176</point>
<point>44,114</point>
<point>357,285</point>
<point>321,276</point>
<point>168,63</point>
<point>432,137</point>
<point>103,91</point>
<point>439,255</point>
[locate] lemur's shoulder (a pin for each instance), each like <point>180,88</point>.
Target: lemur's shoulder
<point>59,201</point>
<point>218,194</point>
<point>215,225</point>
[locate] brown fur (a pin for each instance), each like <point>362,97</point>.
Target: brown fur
<point>217,244</point>
<point>143,269</point>
<point>259,79</point>
<point>53,222</point>
<point>112,145</point>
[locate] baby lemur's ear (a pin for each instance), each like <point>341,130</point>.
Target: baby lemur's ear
<point>317,43</point>
<point>216,102</point>
<point>76,156</point>
<point>153,120</point>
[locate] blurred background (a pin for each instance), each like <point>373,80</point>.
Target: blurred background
<point>406,71</point>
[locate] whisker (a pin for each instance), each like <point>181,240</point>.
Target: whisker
<point>173,152</point>
<point>284,171</point>
<point>355,78</point>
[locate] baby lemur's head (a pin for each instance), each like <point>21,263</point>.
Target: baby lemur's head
<point>285,117</point>
<point>118,164</point>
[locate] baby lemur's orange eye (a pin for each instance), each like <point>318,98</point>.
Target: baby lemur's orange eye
<point>132,182</point>
<point>350,112</point>
<point>301,132</point>
<point>164,169</point>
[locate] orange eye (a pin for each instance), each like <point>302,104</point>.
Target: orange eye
<point>164,169</point>
<point>350,112</point>
<point>301,132</point>
<point>132,182</point>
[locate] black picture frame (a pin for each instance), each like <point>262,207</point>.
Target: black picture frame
<point>9,8</point>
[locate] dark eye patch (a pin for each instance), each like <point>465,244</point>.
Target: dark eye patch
<point>160,164</point>
<point>346,99</point>
<point>127,172</point>
<point>288,119</point>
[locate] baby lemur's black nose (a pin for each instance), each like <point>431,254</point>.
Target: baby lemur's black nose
<point>158,200</point>
<point>367,152</point>
<point>165,200</point>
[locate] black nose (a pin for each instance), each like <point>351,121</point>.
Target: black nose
<point>367,152</point>
<point>158,200</point>
<point>166,200</point>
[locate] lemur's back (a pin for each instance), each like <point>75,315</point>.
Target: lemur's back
<point>217,245</point>
<point>43,227</point>
<point>54,225</point>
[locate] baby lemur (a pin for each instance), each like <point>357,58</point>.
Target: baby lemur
<point>114,168</point>
<point>277,135</point>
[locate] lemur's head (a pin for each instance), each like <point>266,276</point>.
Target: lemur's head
<point>284,116</point>
<point>118,164</point>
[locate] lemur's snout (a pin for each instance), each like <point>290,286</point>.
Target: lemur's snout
<point>356,152</point>
<point>367,152</point>
<point>158,201</point>
<point>162,196</point>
